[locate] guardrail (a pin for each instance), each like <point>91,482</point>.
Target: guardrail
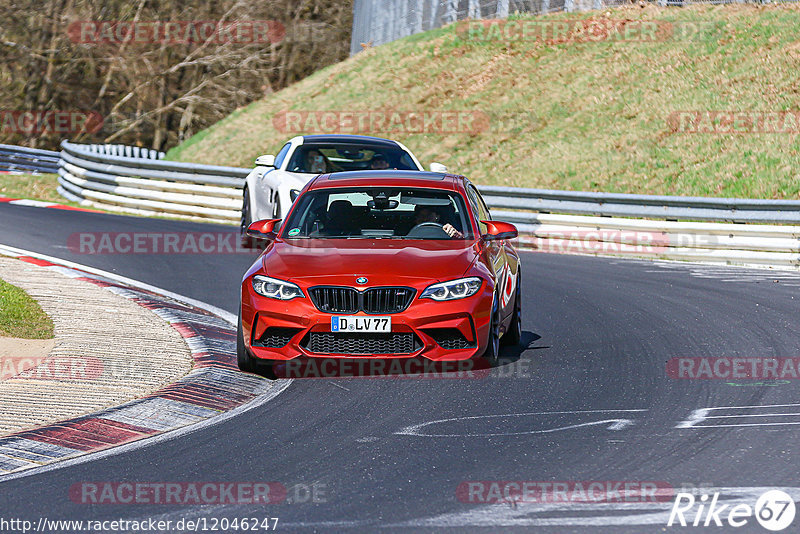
<point>138,181</point>
<point>24,159</point>
<point>737,244</point>
<point>686,228</point>
<point>644,206</point>
<point>712,230</point>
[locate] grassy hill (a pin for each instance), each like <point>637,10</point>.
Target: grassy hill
<point>572,113</point>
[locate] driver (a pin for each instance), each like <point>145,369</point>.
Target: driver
<point>316,162</point>
<point>423,214</point>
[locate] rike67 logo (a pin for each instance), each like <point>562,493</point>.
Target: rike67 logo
<point>774,510</point>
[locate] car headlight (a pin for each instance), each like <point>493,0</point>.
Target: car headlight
<point>276,289</point>
<point>452,290</point>
<point>293,194</point>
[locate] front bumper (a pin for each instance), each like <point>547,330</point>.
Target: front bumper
<point>440,331</point>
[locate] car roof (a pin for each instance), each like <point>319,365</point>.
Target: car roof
<point>389,178</point>
<point>349,139</point>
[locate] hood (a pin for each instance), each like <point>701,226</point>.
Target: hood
<point>293,180</point>
<point>381,261</point>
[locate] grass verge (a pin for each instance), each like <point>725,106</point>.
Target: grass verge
<point>21,316</point>
<point>34,187</point>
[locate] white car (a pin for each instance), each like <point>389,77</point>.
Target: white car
<point>275,182</point>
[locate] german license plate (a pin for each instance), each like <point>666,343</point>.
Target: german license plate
<point>357,323</point>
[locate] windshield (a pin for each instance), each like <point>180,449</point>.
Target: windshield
<point>379,213</point>
<point>320,159</point>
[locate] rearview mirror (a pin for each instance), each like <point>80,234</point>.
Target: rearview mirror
<point>496,230</point>
<point>438,167</point>
<point>267,160</point>
<point>264,229</point>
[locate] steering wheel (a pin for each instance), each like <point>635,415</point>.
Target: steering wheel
<point>428,230</point>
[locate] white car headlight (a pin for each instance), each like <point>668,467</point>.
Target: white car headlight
<point>276,289</point>
<point>452,290</point>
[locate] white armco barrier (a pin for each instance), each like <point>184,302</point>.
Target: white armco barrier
<point>738,244</point>
<point>117,178</point>
<point>124,179</point>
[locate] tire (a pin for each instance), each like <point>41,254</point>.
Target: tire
<point>243,357</point>
<point>492,352</point>
<point>247,218</point>
<point>514,333</point>
<point>245,360</point>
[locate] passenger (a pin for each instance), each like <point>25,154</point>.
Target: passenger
<point>378,162</point>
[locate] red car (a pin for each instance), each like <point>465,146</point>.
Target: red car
<point>381,264</point>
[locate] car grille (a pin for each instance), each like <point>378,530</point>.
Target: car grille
<point>366,343</point>
<point>275,337</point>
<point>450,338</point>
<point>375,301</point>
<point>387,299</point>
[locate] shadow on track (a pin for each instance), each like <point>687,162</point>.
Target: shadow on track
<point>510,355</point>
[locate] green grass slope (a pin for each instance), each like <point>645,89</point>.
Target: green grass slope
<point>575,114</point>
<point>21,316</point>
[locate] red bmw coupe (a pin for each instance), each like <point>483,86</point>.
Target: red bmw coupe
<point>381,264</point>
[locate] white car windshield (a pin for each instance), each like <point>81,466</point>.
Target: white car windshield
<point>379,213</point>
<point>325,158</point>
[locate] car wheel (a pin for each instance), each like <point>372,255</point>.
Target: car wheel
<point>246,362</point>
<point>243,357</point>
<point>514,333</point>
<point>247,218</point>
<point>492,352</point>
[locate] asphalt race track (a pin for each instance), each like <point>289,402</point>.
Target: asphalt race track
<point>588,399</point>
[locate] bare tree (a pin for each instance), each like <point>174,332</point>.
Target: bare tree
<point>159,90</point>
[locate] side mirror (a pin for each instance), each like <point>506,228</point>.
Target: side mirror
<point>265,161</point>
<point>264,229</point>
<point>438,167</point>
<point>496,230</point>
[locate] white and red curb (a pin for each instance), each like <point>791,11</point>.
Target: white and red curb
<point>212,388</point>
<point>43,204</point>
